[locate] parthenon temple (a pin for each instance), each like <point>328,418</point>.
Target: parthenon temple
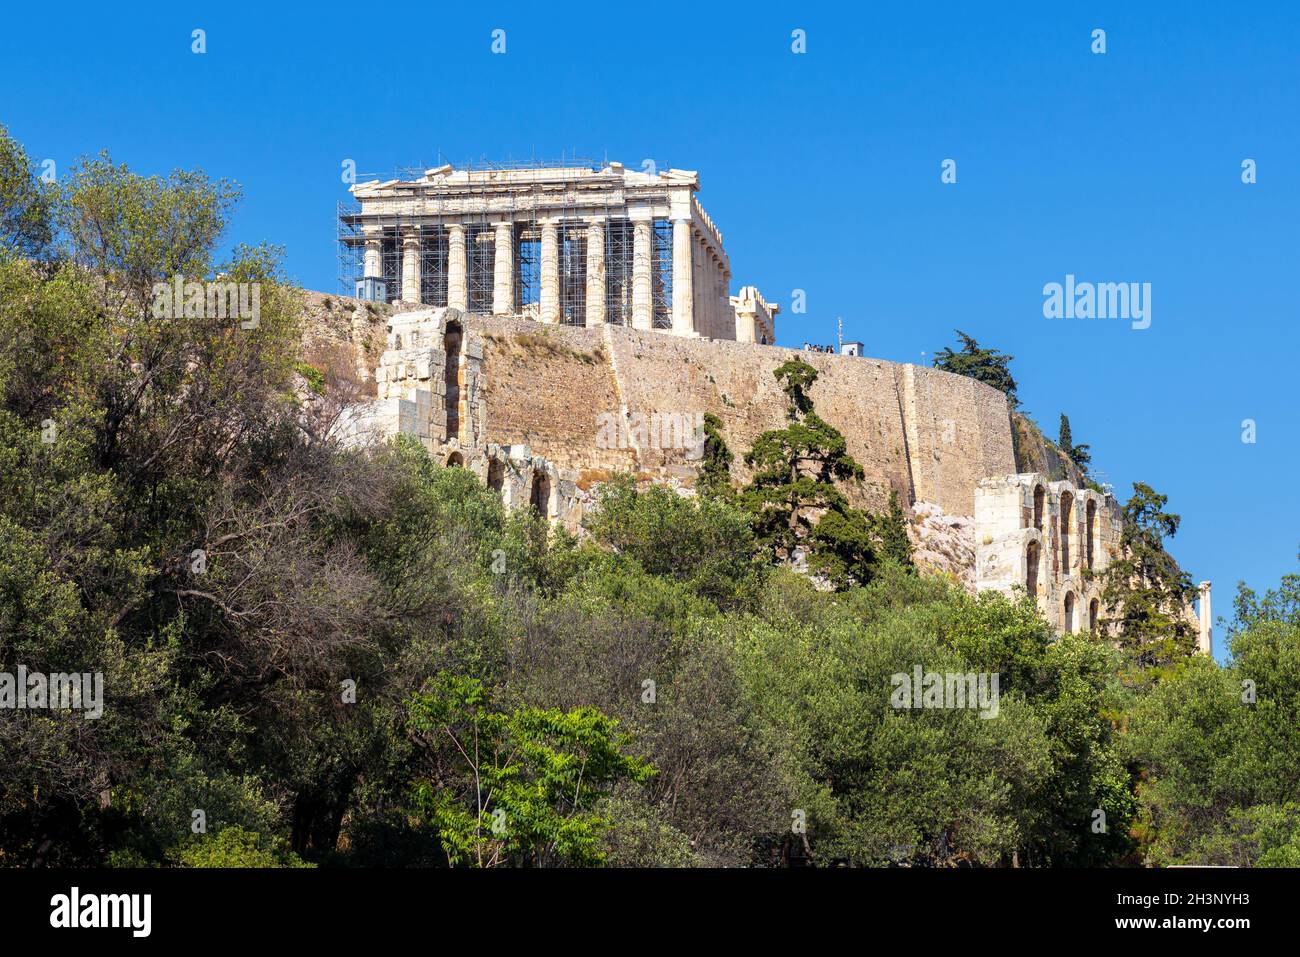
<point>572,245</point>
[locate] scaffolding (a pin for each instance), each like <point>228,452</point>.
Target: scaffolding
<point>522,209</point>
<point>480,267</point>
<point>351,246</point>
<point>390,263</point>
<point>661,275</point>
<point>435,244</point>
<point>528,274</point>
<point>573,273</point>
<point>618,271</point>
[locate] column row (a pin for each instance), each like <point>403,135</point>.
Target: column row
<point>697,284</point>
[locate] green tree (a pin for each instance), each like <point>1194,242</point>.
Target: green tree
<point>235,847</point>
<point>26,204</point>
<point>794,475</point>
<point>520,787</point>
<point>1144,593</point>
<point>795,501</point>
<point>1078,454</point>
<point>938,786</point>
<point>891,532</point>
<point>1216,746</point>
<point>704,542</point>
<point>1276,606</point>
<point>714,475</point>
<point>986,365</point>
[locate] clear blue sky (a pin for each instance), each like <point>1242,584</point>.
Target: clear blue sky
<point>823,171</point>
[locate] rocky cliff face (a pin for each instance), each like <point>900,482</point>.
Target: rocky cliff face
<point>1035,453</point>
<point>943,543</point>
<point>339,328</point>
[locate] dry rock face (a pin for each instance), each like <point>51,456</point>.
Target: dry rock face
<point>1035,453</point>
<point>943,543</point>
<point>340,328</point>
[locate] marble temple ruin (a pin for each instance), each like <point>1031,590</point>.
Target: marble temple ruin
<point>569,244</point>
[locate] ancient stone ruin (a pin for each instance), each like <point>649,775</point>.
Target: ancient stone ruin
<point>553,326</point>
<point>1044,538</point>
<point>567,245</point>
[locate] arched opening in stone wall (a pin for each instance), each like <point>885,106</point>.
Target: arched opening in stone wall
<point>540,496</point>
<point>1067,529</point>
<point>1091,532</point>
<point>455,460</point>
<point>1069,612</point>
<point>496,475</point>
<point>451,379</point>
<point>1038,507</point>
<point>1031,569</point>
<point>1094,607</point>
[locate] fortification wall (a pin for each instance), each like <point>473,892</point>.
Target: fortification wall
<point>543,386</point>
<point>929,435</point>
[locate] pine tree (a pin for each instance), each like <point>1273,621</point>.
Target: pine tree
<point>891,532</point>
<point>1065,440</point>
<point>713,480</point>
<point>795,468</point>
<point>1078,454</point>
<point>986,365</point>
<point>794,498</point>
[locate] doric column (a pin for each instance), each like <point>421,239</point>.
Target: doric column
<point>641,265</point>
<point>721,327</point>
<point>728,314</point>
<point>683,279</point>
<point>705,285</point>
<point>549,299</point>
<point>699,293</point>
<point>411,266</point>
<point>503,273</point>
<point>596,273</point>
<point>457,286</point>
<point>1205,642</point>
<point>715,284</point>
<point>374,259</point>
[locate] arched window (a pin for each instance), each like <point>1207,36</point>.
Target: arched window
<point>1094,607</point>
<point>540,496</point>
<point>1031,569</point>
<point>1069,612</point>
<point>496,475</point>
<point>1038,507</point>
<point>1067,528</point>
<point>1091,531</point>
<point>451,379</point>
